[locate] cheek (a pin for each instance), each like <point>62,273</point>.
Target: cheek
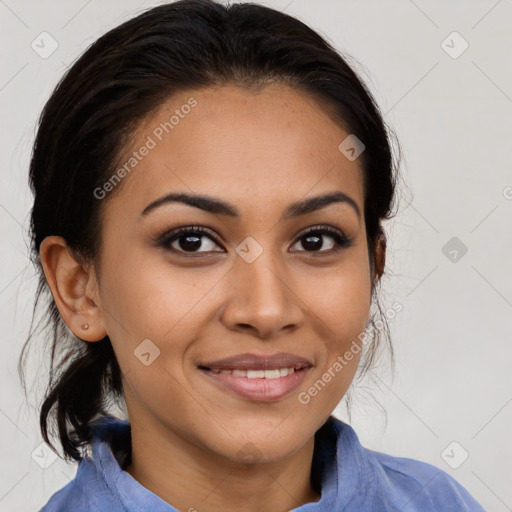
<point>340,298</point>
<point>341,303</point>
<point>148,297</point>
<point>159,302</point>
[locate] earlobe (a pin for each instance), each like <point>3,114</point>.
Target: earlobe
<point>73,288</point>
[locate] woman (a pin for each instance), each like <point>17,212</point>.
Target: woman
<point>209,185</point>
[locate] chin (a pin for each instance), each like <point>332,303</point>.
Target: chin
<point>263,445</point>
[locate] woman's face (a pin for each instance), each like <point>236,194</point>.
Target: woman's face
<point>254,282</point>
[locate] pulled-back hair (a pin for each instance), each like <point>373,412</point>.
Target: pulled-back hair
<point>123,77</point>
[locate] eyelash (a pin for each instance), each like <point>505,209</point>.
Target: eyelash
<point>168,237</point>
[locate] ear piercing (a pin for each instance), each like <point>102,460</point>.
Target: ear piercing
<point>85,326</point>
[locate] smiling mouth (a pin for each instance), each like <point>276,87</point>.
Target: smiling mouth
<point>257,385</point>
<point>275,373</point>
<point>257,377</point>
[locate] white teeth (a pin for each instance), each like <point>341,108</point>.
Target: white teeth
<point>272,374</point>
<point>257,374</point>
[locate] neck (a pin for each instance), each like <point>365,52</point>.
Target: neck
<point>192,479</point>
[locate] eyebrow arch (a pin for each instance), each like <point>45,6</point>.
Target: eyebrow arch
<point>217,206</point>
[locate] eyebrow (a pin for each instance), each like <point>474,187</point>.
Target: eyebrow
<point>217,206</point>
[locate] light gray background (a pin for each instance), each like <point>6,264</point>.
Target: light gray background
<point>453,117</point>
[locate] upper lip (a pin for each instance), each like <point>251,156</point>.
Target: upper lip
<point>249,361</point>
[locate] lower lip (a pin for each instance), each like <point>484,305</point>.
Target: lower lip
<point>262,390</point>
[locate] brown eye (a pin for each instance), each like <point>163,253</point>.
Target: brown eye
<point>314,240</point>
<point>189,240</point>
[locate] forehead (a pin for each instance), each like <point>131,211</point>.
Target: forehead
<point>250,148</point>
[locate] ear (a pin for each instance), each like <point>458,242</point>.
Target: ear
<point>380,257</point>
<point>74,289</point>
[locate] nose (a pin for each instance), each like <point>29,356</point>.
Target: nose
<point>262,298</point>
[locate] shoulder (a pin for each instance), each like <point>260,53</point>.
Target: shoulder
<point>94,488</point>
<point>419,485</point>
<point>79,498</point>
<point>87,492</point>
<point>402,484</point>
<point>69,497</point>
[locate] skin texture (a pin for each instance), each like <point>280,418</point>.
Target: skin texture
<point>260,151</point>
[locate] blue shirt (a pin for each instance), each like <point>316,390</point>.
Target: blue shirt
<point>351,478</point>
